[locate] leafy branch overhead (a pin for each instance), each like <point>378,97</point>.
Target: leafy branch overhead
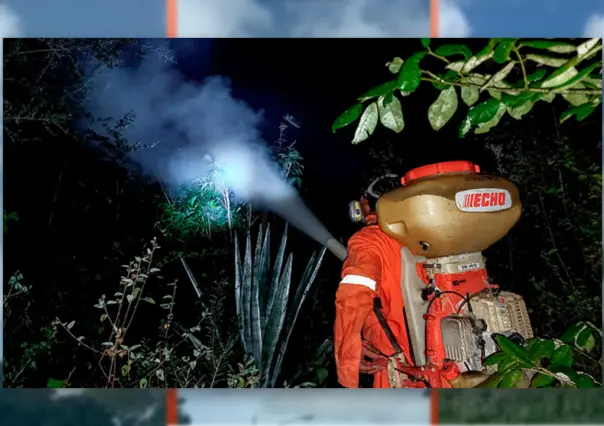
<point>505,76</point>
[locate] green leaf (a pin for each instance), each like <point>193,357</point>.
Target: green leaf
<point>149,300</point>
<point>495,94</point>
<point>467,66</point>
<point>593,82</point>
<point>55,384</point>
<point>551,45</point>
<point>441,111</point>
<point>507,363</point>
<point>484,111</point>
<point>469,94</point>
<point>125,370</point>
<point>521,110</point>
<point>536,76</point>
<point>425,42</point>
<point>347,117</point>
<point>565,370</point>
<point>584,49</point>
<point>491,382</point>
<point>542,349</point>
<point>514,351</point>
<point>575,99</point>
<point>559,79</point>
<point>583,336</point>
<point>580,112</point>
<point>541,380</point>
<point>546,60</point>
<point>514,101</point>
<point>485,127</point>
<point>450,75</point>
<point>578,76</point>
<point>322,374</point>
<point>367,123</point>
<point>409,76</point>
<point>472,90</point>
<point>563,356</point>
<point>585,381</point>
<point>454,49</point>
<point>511,379</point>
<point>504,47</point>
<point>567,70</point>
<point>465,127</point>
<point>381,90</point>
<point>391,114</point>
<point>586,340</point>
<point>499,76</point>
<point>488,48</point>
<point>495,358</point>
<point>548,97</point>
<point>395,65</point>
<point>530,343</point>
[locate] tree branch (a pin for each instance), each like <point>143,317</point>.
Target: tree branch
<point>526,82</point>
<point>510,90</point>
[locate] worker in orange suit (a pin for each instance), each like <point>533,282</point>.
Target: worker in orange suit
<point>371,270</point>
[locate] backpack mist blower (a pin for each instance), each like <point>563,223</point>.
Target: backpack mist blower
<point>445,215</point>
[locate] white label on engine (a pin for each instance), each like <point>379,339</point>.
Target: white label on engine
<point>469,266</point>
<point>483,200</point>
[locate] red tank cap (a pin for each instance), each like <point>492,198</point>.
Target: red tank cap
<point>439,169</point>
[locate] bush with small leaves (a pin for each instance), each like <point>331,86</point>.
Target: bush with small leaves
<point>549,362</point>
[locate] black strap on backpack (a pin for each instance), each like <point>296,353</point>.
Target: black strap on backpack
<point>377,309</point>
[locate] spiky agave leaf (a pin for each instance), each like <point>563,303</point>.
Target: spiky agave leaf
<point>261,275</point>
<point>246,297</point>
<point>275,321</point>
<point>238,292</point>
<point>309,268</point>
<point>255,316</point>
<point>276,272</point>
<point>310,273</point>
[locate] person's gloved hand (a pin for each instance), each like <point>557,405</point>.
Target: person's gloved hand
<point>372,360</point>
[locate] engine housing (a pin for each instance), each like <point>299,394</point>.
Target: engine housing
<point>467,336</point>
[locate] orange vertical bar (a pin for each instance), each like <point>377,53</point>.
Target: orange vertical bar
<point>171,407</point>
<point>434,23</point>
<point>434,407</point>
<point>171,19</point>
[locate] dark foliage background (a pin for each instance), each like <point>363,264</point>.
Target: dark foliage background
<point>72,219</point>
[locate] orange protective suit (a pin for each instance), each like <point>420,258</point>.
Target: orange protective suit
<point>372,268</point>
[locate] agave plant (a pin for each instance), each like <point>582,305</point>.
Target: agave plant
<point>266,318</point>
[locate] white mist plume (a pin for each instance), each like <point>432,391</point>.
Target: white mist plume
<point>184,121</point>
